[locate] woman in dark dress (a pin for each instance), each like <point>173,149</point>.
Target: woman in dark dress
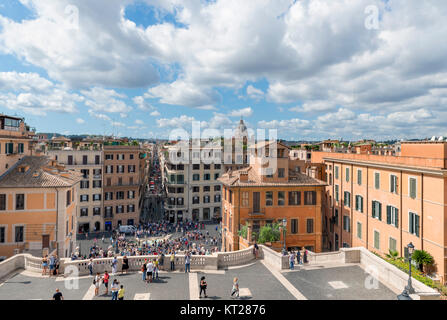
<point>125,264</point>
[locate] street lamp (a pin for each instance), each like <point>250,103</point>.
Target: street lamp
<point>284,224</point>
<point>405,295</point>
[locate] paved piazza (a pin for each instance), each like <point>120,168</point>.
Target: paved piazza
<point>256,281</point>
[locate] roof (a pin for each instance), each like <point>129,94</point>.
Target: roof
<point>254,180</point>
<point>39,174</point>
<point>263,144</point>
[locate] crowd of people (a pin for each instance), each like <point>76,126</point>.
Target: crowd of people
<point>300,256</point>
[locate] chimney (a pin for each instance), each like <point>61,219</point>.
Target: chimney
<point>243,176</point>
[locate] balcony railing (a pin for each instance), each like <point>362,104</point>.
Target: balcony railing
<point>257,212</point>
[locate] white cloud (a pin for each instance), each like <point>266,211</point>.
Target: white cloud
<point>177,122</point>
<point>14,81</point>
<point>245,112</point>
<point>100,99</point>
<point>255,93</point>
<point>155,113</point>
<point>139,122</point>
<point>80,121</point>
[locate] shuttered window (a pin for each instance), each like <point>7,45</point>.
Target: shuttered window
<point>347,199</point>
<point>412,187</point>
<point>392,216</point>
<point>359,203</point>
<point>393,184</point>
<point>359,230</point>
<point>347,174</point>
<point>310,225</point>
<point>392,244</point>
<point>336,193</point>
<point>377,240</point>
<point>377,210</point>
<point>359,177</point>
<point>414,224</point>
<point>294,226</point>
<point>377,180</point>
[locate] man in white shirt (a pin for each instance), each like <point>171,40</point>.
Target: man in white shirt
<point>150,270</point>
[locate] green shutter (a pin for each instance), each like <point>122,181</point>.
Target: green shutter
<point>377,180</point>
<point>417,224</point>
<point>361,204</point>
<point>359,177</point>
<point>380,211</point>
<point>413,188</point>
<point>397,218</point>
<point>388,214</point>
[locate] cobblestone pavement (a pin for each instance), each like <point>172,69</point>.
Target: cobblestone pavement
<point>256,281</point>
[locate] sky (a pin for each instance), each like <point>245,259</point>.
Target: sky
<point>311,69</point>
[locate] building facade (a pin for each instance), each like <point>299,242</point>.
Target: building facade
<point>255,199</point>
<point>38,200</point>
<point>89,163</point>
<point>124,184</point>
<point>384,202</point>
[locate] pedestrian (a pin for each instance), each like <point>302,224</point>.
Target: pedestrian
<point>150,270</point>
<point>114,265</point>
<point>188,262</point>
<point>57,263</point>
<point>235,289</point>
<point>203,286</point>
<point>115,289</point>
<point>52,265</point>
<point>172,260</point>
<point>255,250</point>
<point>90,266</point>
<point>298,256</point>
<point>292,260</point>
<point>105,280</point>
<point>144,269</point>
<point>121,293</point>
<point>125,265</point>
<point>305,256</point>
<point>96,283</point>
<point>44,265</point>
<point>58,296</point>
<point>155,262</point>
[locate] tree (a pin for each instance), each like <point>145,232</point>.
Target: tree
<point>393,254</point>
<point>422,258</point>
<point>269,233</point>
<point>244,231</point>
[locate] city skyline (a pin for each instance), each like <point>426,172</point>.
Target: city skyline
<point>311,69</point>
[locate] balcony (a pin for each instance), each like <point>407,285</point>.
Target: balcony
<point>257,212</point>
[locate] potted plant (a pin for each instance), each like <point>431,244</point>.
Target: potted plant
<point>422,258</point>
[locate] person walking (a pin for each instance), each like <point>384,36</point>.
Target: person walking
<point>255,250</point>
<point>121,293</point>
<point>188,262</point>
<point>115,289</point>
<point>44,265</point>
<point>57,296</point>
<point>150,270</point>
<point>97,283</point>
<point>105,280</point>
<point>114,265</point>
<point>125,265</point>
<point>203,286</point>
<point>52,265</point>
<point>298,256</point>
<point>172,259</point>
<point>292,260</point>
<point>144,269</point>
<point>235,289</point>
<point>56,265</point>
<point>305,256</point>
<point>155,269</point>
<point>90,266</point>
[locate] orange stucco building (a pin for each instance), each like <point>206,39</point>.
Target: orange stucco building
<point>253,198</point>
<point>38,200</point>
<point>385,202</point>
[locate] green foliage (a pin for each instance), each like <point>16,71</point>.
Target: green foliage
<point>243,231</point>
<point>422,257</point>
<point>269,233</point>
<point>393,255</point>
<point>135,143</point>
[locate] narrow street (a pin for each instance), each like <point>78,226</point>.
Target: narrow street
<point>154,195</point>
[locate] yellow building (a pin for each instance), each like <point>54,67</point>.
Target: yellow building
<point>38,200</point>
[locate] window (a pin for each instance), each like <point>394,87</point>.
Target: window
<point>96,211</point>
<point>412,188</point>
<point>346,224</point>
<point>377,180</point>
<point>281,172</point>
<point>245,199</point>
<point>206,189</point>
<point>97,161</point>
<point>2,202</point>
<point>359,230</point>
<point>310,198</point>
<point>84,197</point>
<point>120,157</point>
<point>85,173</point>
<point>109,195</point>
<point>217,198</point>
<point>216,176</point>
<point>20,201</point>
<point>109,156</point>
<point>336,172</point>
<point>131,169</point>
<point>120,169</point>
<point>84,212</point>
<point>85,184</point>
<point>347,174</point>
<point>131,156</point>
<point>206,167</point>
<point>217,167</point>
<point>347,199</point>
<point>269,198</point>
<point>195,189</point>
<point>109,212</point>
<point>109,169</point>
<point>206,214</point>
<point>196,177</point>
<point>18,234</point>
<point>206,199</point>
<point>377,240</point>
<point>97,197</point>
<point>120,195</point>
<point>109,182</point>
<point>196,167</point>
<point>216,188</point>
<point>130,181</point>
<point>392,216</point>
<point>120,209</point>
<point>2,234</point>
<point>97,183</point>
<point>294,226</point>
<point>130,194</point>
<point>392,244</point>
<point>310,226</point>
<point>120,181</point>
<point>359,203</point>
<point>393,184</point>
<point>84,160</point>
<point>281,198</point>
<point>414,224</point>
<point>336,216</point>
<point>294,198</point>
<point>195,200</point>
<point>21,148</point>
<point>377,210</point>
<point>70,160</point>
<point>336,193</point>
<point>206,177</point>
<point>130,208</point>
<point>359,177</point>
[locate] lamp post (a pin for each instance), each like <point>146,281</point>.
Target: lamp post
<point>405,295</point>
<point>284,225</point>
